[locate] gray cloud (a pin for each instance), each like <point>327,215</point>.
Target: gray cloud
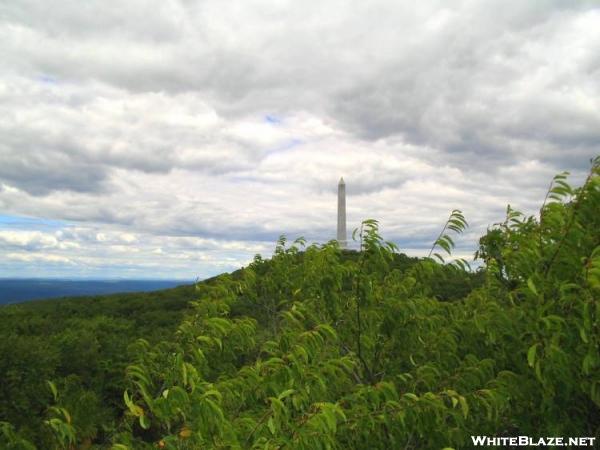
<point>233,121</point>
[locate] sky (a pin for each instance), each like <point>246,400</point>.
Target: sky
<point>177,139</point>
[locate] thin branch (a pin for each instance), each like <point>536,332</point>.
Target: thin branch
<point>542,216</point>
<point>438,238</point>
<point>259,423</point>
<point>571,221</point>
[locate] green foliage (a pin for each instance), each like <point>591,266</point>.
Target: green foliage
<point>11,440</point>
<point>321,348</point>
<point>83,346</point>
<point>60,422</point>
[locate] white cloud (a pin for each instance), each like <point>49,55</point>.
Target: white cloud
<point>196,133</point>
<point>37,257</point>
<point>95,251</point>
<point>28,239</point>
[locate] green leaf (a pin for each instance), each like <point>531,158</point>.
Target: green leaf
<point>412,396</point>
<point>464,406</point>
<point>144,422</point>
<point>53,389</point>
<point>330,418</point>
<point>286,393</point>
<point>531,354</point>
<point>271,425</point>
<point>531,286</point>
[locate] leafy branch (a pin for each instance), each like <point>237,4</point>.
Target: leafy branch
<point>456,222</point>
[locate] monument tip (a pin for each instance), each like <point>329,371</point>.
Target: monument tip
<point>341,181</point>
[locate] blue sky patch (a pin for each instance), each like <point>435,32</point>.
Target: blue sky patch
<point>47,79</point>
<point>29,223</point>
<point>272,120</point>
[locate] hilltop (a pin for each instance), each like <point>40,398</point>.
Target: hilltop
<point>319,348</point>
<point>84,343</point>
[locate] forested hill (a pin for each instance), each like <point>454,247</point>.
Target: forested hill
<point>84,344</point>
<point>318,348</point>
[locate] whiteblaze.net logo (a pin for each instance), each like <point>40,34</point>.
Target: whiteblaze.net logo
<point>527,441</point>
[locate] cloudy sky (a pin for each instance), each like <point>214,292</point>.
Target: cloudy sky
<point>176,139</point>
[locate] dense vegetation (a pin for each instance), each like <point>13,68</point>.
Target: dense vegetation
<point>320,348</point>
<point>83,345</point>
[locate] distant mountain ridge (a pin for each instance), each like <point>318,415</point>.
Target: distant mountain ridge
<point>14,290</point>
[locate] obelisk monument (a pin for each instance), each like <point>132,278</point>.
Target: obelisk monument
<point>341,219</point>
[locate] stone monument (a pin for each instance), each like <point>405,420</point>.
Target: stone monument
<point>341,218</point>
